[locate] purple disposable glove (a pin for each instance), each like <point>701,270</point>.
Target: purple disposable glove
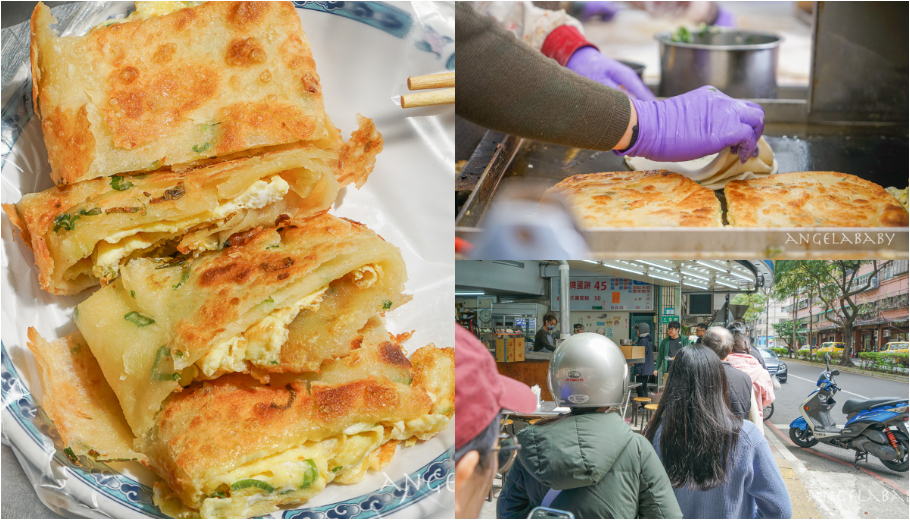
<point>603,10</point>
<point>696,124</point>
<point>590,63</point>
<point>725,18</point>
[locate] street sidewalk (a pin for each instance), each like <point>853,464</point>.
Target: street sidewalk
<point>791,468</point>
<point>852,370</point>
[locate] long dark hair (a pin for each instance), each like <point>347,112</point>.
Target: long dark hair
<point>698,429</point>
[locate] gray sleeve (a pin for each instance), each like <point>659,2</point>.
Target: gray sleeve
<point>507,86</point>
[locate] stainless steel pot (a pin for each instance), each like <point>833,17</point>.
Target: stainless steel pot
<point>742,64</point>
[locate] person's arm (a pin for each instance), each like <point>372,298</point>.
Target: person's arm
<point>513,500</point>
<point>655,494</point>
<point>661,354</point>
<point>512,88</point>
<point>767,485</point>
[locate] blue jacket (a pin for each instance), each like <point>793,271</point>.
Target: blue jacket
<point>646,368</point>
<point>754,487</point>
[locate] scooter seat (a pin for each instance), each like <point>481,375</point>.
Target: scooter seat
<point>856,405</point>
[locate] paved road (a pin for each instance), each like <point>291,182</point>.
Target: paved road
<point>873,491</point>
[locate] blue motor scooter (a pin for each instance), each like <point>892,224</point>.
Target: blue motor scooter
<point>876,426</point>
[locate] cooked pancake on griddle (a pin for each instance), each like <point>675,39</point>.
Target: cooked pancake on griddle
<point>273,301</point>
<point>638,199</point>
<point>149,91</point>
<point>812,199</point>
<point>82,234</point>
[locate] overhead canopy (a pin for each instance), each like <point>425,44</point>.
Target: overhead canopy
<point>693,275</point>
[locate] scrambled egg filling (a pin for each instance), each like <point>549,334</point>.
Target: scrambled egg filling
<point>292,471</point>
<point>260,345</point>
<point>112,250</point>
<point>900,195</point>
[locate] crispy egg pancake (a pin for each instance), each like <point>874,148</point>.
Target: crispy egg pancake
<point>79,401</point>
<point>275,300</point>
<point>812,199</point>
<point>82,234</point>
<point>172,88</point>
<point>638,199</point>
<point>234,448</point>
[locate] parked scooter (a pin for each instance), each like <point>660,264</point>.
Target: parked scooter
<point>875,426</point>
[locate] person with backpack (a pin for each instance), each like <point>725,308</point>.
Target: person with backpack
<point>588,462</point>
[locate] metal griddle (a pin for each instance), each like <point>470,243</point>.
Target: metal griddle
<point>878,153</point>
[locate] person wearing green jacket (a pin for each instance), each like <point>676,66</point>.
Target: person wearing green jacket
<point>670,346</point>
<point>588,462</point>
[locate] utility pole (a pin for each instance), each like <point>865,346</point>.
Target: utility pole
<point>767,322</point>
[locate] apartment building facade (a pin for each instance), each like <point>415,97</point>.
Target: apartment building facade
<point>883,311</point>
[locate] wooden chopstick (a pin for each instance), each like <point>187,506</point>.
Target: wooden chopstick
<point>423,99</point>
<point>442,80</point>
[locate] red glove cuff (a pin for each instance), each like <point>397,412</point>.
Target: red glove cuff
<point>562,43</point>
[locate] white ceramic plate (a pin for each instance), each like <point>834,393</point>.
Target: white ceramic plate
<point>364,52</point>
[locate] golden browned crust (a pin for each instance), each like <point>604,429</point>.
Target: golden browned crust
<point>224,423</point>
<point>94,210</point>
<point>812,199</point>
<point>199,304</point>
<point>79,401</point>
<point>358,154</point>
<point>638,199</point>
<point>154,89</point>
<point>431,368</point>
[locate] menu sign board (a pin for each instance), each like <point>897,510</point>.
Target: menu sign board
<point>604,293</point>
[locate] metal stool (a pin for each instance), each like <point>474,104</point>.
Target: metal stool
<point>649,411</point>
<point>638,401</point>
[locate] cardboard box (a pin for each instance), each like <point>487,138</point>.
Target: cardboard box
<point>632,351</point>
<point>519,349</point>
<point>510,350</point>
<point>501,350</point>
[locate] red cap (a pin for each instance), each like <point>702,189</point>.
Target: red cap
<point>562,43</point>
<point>480,392</point>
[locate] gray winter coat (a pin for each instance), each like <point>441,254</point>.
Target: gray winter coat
<point>604,469</point>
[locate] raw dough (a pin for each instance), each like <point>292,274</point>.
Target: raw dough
<point>714,171</point>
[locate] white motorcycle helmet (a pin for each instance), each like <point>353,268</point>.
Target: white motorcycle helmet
<point>588,371</point>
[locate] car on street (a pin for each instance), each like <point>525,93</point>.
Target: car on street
<point>896,347</point>
<point>776,367</point>
<point>831,347</point>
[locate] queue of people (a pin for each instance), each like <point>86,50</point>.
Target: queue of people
<point>699,456</point>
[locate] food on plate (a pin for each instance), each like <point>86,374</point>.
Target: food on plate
<point>812,199</point>
<point>715,171</point>
<point>287,442</point>
<point>171,88</point>
<point>638,199</point>
<point>273,301</point>
<point>79,401</point>
<point>235,447</point>
<point>83,233</point>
